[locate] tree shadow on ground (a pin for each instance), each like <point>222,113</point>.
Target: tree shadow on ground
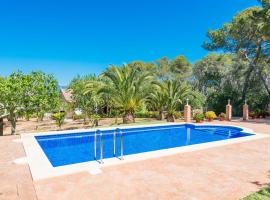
<point>261,184</point>
<point>265,121</point>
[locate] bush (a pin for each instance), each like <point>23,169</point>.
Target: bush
<point>149,114</point>
<point>94,119</point>
<point>197,111</point>
<point>258,114</point>
<point>263,114</point>
<point>199,117</point>
<point>222,115</point>
<point>59,118</point>
<point>177,115</point>
<point>210,115</point>
<point>252,114</point>
<point>78,117</point>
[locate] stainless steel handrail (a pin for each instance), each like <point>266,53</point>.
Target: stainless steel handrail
<point>121,146</point>
<point>98,132</point>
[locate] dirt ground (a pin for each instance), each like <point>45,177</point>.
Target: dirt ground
<point>47,124</point>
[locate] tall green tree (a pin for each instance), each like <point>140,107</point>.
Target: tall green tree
<point>20,93</point>
<point>180,67</point>
<point>42,94</point>
<point>263,18</point>
<point>84,96</point>
<point>210,72</point>
<point>177,69</point>
<point>12,93</point>
<point>244,37</point>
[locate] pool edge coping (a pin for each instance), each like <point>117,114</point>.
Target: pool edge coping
<point>41,167</point>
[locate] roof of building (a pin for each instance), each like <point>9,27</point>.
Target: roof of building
<point>66,95</point>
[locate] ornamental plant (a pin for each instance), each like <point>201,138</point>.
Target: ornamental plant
<point>252,114</point>
<point>199,117</point>
<point>210,115</point>
<point>59,118</point>
<point>222,116</point>
<point>94,119</point>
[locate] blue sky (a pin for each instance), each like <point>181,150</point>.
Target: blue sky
<point>67,38</point>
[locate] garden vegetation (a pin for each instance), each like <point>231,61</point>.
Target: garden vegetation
<point>239,71</point>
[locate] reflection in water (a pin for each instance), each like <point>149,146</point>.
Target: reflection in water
<point>188,136</point>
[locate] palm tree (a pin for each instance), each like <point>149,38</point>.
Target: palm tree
<point>93,87</point>
<point>174,94</point>
<point>157,101</point>
<point>128,89</point>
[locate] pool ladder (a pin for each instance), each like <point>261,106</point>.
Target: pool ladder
<point>98,132</point>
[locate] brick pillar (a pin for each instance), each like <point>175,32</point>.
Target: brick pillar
<point>1,126</point>
<point>187,113</point>
<point>245,111</point>
<point>229,111</point>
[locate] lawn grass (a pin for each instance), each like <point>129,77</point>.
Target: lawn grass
<point>138,122</point>
<point>263,194</point>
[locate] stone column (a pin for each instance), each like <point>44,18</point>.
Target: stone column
<point>229,111</point>
<point>187,112</point>
<point>245,111</point>
<point>1,126</point>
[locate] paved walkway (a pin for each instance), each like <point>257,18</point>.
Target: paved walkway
<point>227,172</point>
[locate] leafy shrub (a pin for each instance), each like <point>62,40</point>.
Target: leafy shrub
<point>258,113</point>
<point>263,114</point>
<point>210,115</point>
<point>196,111</point>
<point>149,114</point>
<point>177,115</point>
<point>59,118</point>
<point>78,117</point>
<point>198,117</point>
<point>222,115</point>
<point>253,114</point>
<point>94,119</point>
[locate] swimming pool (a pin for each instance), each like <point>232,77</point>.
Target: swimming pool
<point>73,148</point>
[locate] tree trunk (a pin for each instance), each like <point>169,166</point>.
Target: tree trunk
<point>96,122</point>
<point>160,115</point>
<point>1,126</point>
<point>170,118</point>
<point>264,82</point>
<point>246,83</point>
<point>128,118</point>
<point>27,117</point>
<point>13,123</point>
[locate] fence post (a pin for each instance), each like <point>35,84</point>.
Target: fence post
<point>229,111</point>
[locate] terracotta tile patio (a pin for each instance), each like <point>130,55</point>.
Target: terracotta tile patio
<point>228,172</point>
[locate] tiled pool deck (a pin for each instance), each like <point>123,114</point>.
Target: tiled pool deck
<point>227,172</point>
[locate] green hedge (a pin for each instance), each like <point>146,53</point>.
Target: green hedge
<point>149,114</point>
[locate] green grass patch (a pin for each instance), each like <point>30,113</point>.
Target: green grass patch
<point>138,122</point>
<point>263,194</point>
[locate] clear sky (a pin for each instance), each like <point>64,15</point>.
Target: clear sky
<point>67,38</point>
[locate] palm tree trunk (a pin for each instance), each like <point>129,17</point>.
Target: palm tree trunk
<point>170,118</point>
<point>128,118</point>
<point>160,115</point>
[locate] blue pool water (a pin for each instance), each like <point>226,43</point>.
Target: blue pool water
<point>65,149</point>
